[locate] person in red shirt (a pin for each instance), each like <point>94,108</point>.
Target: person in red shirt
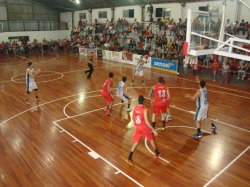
<point>160,101</point>
<point>107,94</point>
<point>234,67</point>
<point>215,68</point>
<point>142,128</point>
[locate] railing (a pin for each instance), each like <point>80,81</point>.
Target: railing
<point>14,26</point>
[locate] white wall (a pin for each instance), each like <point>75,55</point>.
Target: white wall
<point>77,16</point>
<point>102,20</point>
<point>175,10</point>
<point>137,13</point>
<point>3,13</point>
<point>245,12</point>
<point>230,8</point>
<point>39,35</point>
<point>67,17</point>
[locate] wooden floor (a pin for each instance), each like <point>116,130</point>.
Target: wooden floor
<point>50,142</point>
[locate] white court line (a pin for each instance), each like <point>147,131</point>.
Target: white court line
<point>105,160</point>
<point>162,74</point>
<point>169,127</point>
<point>121,65</point>
<point>74,141</point>
<point>225,168</point>
<point>55,73</point>
<point>81,114</point>
<point>57,56</point>
<point>163,159</point>
<point>11,80</point>
<point>102,67</point>
<point>45,104</point>
<point>73,96</point>
<point>227,124</point>
<point>64,109</point>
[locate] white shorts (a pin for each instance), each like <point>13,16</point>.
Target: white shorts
<point>31,86</point>
<point>201,113</point>
<point>139,73</point>
<point>124,97</point>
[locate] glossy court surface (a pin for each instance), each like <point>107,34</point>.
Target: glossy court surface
<point>64,139</point>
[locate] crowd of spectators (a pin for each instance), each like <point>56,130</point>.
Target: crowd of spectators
<point>162,39</point>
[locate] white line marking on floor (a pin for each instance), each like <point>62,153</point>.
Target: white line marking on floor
<point>117,172</point>
<point>65,107</point>
<point>225,168</point>
<point>163,159</point>
<point>105,160</point>
<point>74,141</point>
<point>46,104</point>
<point>94,154</point>
<point>227,124</point>
<point>163,74</point>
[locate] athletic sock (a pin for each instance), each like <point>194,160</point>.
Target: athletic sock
<point>212,124</point>
<point>199,130</point>
<point>130,155</point>
<point>163,123</point>
<point>153,125</point>
<point>128,105</point>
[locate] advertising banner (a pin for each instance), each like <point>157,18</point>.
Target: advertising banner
<point>164,65</point>
<point>116,56</point>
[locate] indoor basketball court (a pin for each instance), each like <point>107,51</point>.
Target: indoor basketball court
<point>64,138</point>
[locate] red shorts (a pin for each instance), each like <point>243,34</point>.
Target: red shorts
<point>160,107</point>
<point>139,132</point>
<point>107,97</point>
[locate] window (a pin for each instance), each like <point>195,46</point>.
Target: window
<point>160,12</point>
<point>82,15</point>
<point>128,13</point>
<point>167,12</point>
<point>102,14</point>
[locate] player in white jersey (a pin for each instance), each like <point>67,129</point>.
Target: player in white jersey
<point>139,69</point>
<point>30,81</point>
<point>122,92</point>
<point>202,108</point>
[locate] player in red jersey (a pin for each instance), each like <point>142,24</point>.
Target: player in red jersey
<point>107,94</point>
<point>160,101</point>
<point>142,128</point>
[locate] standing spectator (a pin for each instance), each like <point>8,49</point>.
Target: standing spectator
<point>185,65</point>
<point>225,72</point>
<point>234,67</point>
<point>242,27</point>
<point>215,68</point>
